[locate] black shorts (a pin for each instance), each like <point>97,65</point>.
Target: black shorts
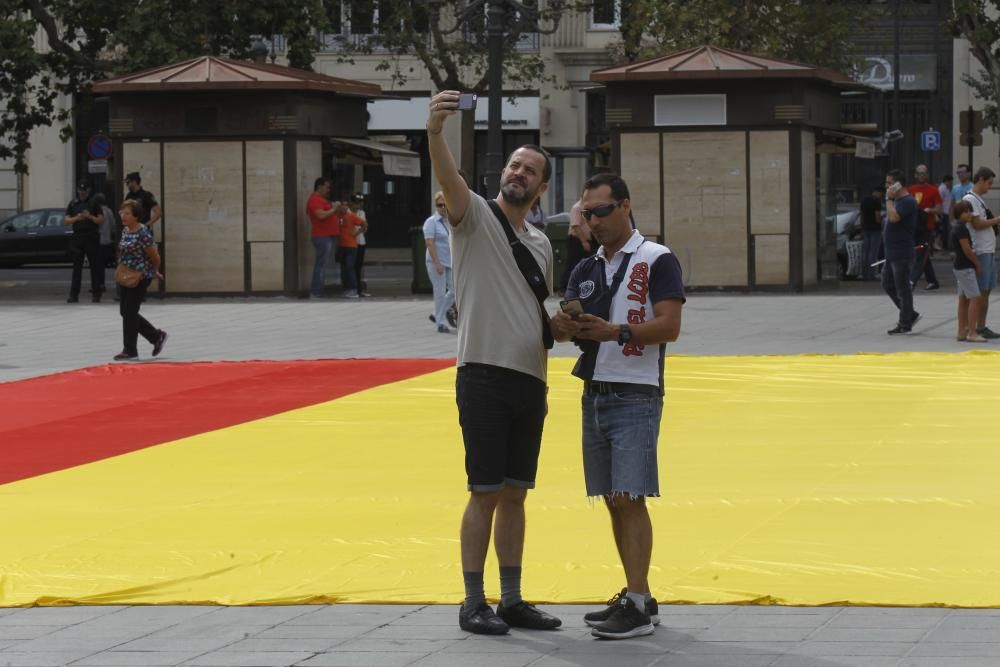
<point>502,413</point>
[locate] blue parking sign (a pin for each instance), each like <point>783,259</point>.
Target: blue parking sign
<point>930,140</point>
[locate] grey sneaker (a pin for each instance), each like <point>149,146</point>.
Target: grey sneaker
<point>988,333</point>
<point>626,621</point>
<point>598,617</point>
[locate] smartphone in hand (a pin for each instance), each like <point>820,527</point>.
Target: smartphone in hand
<point>572,307</point>
<point>467,101</point>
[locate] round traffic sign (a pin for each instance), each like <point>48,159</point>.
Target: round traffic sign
<point>99,147</point>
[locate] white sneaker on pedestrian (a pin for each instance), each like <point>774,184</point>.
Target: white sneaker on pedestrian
<point>351,294</point>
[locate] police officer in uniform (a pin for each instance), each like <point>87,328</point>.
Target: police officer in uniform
<point>85,214</point>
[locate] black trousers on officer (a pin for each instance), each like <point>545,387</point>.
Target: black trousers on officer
<point>86,246</point>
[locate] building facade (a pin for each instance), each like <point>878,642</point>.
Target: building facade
<point>568,117</point>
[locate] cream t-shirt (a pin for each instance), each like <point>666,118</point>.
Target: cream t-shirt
<point>500,321</point>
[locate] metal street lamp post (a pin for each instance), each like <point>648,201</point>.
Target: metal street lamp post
<point>505,20</point>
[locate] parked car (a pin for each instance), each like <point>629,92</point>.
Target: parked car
<point>35,237</point>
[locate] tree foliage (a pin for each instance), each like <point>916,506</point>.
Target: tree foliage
<point>817,32</point>
<point>455,56</point>
<point>80,41</point>
<point>978,21</point>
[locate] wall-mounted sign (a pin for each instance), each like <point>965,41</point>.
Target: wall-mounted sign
<point>916,72</point>
<point>99,147</point>
<point>930,140</point>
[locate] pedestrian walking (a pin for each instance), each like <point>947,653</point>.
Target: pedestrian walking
<point>984,243</point>
<point>437,235</point>
<point>138,264</point>
<point>897,238</point>
<point>503,272</point>
<point>324,230</point>
<point>928,200</point>
<point>966,268</point>
<point>355,206</point>
<point>85,214</point>
<point>623,305</point>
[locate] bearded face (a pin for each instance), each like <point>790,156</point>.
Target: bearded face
<point>515,192</point>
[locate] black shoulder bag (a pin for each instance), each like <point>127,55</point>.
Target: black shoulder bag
<point>529,269</point>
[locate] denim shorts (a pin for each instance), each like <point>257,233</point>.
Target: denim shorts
<point>965,281</point>
<point>620,432</point>
<point>987,271</point>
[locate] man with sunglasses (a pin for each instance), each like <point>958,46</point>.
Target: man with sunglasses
<point>500,386</point>
<point>630,294</point>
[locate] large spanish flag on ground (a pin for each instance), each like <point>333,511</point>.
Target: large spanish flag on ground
<point>867,479</point>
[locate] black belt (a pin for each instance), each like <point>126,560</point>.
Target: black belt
<point>598,387</point>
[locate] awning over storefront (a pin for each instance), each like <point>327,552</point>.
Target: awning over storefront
<point>395,161</point>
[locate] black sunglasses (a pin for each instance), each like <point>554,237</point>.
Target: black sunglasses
<point>601,211</point>
<point>439,205</point>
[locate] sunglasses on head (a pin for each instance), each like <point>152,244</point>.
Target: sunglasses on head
<point>601,211</point>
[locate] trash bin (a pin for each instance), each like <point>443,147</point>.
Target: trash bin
<point>421,282</point>
<point>557,229</point>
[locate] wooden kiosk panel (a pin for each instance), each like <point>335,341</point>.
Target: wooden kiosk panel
<point>705,199</point>
<point>203,181</point>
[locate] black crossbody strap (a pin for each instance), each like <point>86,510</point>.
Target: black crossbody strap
<point>529,268</point>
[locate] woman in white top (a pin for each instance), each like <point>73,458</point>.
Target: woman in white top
<point>437,234</point>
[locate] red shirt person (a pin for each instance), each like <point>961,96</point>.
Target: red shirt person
<point>928,200</point>
<point>325,229</point>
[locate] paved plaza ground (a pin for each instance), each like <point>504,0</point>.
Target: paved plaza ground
<point>43,335</point>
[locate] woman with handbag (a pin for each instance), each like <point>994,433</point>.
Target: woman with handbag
<point>138,264</point>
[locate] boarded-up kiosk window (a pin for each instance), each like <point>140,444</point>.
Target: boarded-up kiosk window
<point>672,110</point>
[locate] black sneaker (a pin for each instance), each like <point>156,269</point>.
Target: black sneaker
<point>987,333</point>
<point>452,316</point>
<point>160,342</point>
<point>899,329</point>
<point>931,287</point>
<point>916,318</point>
<point>596,617</point>
<point>73,299</point>
<point>481,621</point>
<point>525,615</point>
<point>124,356</point>
<point>626,621</point>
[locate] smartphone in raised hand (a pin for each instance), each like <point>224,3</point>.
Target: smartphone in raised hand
<point>467,101</point>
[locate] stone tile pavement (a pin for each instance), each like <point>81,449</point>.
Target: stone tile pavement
<point>38,338</point>
<point>389,635</point>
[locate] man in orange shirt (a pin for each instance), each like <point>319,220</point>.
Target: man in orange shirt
<point>350,227</point>
<point>929,201</point>
<point>324,233</point>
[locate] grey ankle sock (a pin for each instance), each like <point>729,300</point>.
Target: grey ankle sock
<point>475,594</point>
<point>510,585</point>
<point>638,598</point>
